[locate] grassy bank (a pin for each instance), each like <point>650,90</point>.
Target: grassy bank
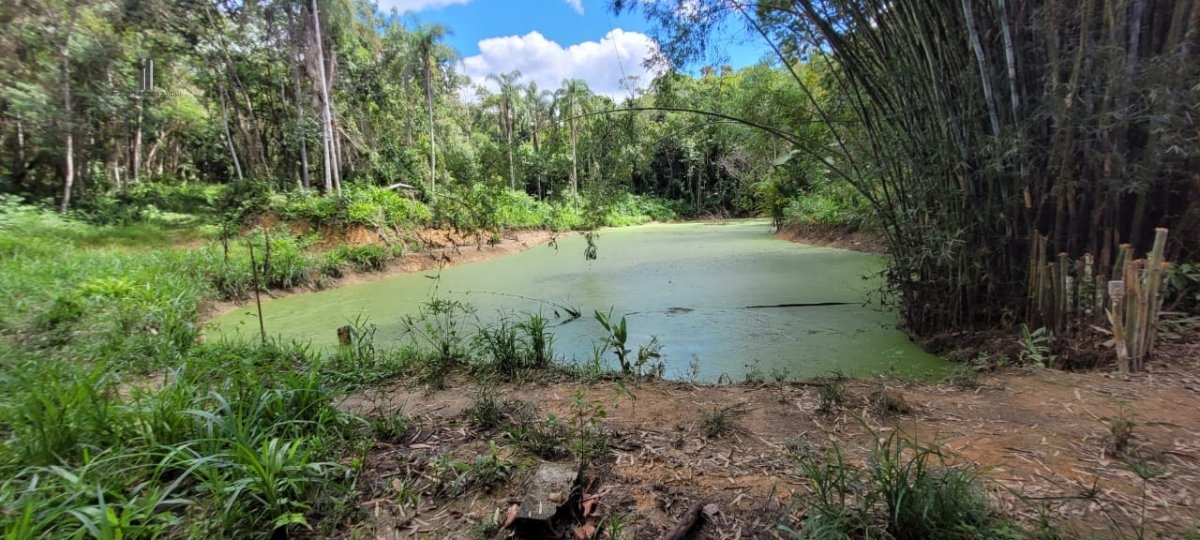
<point>117,421</point>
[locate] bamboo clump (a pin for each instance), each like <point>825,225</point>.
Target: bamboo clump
<point>1074,296</point>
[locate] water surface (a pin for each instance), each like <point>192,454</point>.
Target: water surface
<point>691,285</point>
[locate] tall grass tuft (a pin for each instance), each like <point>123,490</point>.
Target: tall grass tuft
<point>906,491</point>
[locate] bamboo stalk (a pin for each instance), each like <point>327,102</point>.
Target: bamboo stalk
<point>1132,300</point>
<point>1116,291</point>
<point>1043,274</point>
<point>1087,297</point>
<point>1119,265</point>
<point>1154,275</point>
<point>1034,269</point>
<point>1064,282</point>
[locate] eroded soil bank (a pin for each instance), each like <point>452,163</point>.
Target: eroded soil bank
<point>864,241</point>
<point>438,249</point>
<point>1043,441</point>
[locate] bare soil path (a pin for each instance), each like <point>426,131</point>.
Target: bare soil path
<point>1044,434</point>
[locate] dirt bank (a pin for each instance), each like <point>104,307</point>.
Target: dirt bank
<point>867,242</point>
<point>1045,435</point>
<point>439,249</point>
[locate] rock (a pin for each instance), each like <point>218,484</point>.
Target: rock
<point>551,487</point>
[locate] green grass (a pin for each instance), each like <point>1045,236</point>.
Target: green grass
<point>116,420</point>
<point>906,490</point>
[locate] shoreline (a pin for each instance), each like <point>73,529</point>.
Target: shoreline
<point>453,253</point>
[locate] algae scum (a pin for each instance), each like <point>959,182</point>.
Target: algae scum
<point>727,298</point>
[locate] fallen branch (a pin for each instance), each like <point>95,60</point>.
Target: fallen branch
<point>689,522</point>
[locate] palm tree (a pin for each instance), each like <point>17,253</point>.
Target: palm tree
<point>507,102</point>
<point>538,104</point>
<point>430,54</point>
<point>572,99</point>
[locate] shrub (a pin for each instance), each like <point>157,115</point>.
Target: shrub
<point>364,258</point>
<point>629,209</point>
<point>830,205</point>
<point>311,207</point>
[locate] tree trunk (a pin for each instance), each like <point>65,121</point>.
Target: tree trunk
<point>68,128</point>
<point>538,153</point>
<point>334,128</point>
<point>237,165</point>
<point>574,167</point>
<point>145,84</point>
<point>432,142</point>
<point>512,175</point>
<point>21,144</point>
<point>305,180</point>
<point>326,116</point>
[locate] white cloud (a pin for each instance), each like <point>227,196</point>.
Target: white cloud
<point>603,64</point>
<point>576,5</point>
<point>404,6</point>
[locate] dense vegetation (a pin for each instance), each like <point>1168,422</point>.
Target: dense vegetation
<point>170,135</point>
<point>102,104</point>
<point>973,127</point>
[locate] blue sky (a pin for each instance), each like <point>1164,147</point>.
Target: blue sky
<point>549,40</point>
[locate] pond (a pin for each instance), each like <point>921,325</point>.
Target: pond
<point>724,300</point>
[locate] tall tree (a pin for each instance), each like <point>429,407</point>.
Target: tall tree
<point>508,100</point>
<point>329,146</point>
<point>430,54</point>
<point>571,99</point>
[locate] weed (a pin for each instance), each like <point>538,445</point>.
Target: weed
<point>618,335</point>
<point>500,344</point>
<point>905,491</point>
<point>392,427</point>
<point>964,376</point>
<point>491,469</point>
<point>885,402</point>
<point>754,373</point>
<point>719,421</point>
<point>692,374</point>
<point>360,361</point>
<point>408,492</point>
<point>589,438</point>
<point>539,340</point>
<point>1120,436</point>
<point>581,435</point>
<point>485,530</point>
<point>449,475</point>
<point>1146,471</point>
<point>648,353</point>
<point>485,411</point>
<point>549,439</point>
<point>437,329</point>
<point>831,393</point>
<point>455,477</point>
<point>1035,347</point>
<point>613,525</point>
